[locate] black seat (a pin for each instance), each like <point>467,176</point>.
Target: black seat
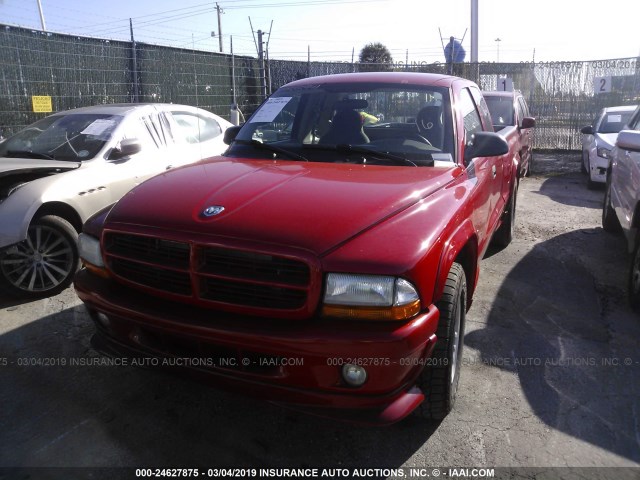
<point>430,126</point>
<point>346,128</point>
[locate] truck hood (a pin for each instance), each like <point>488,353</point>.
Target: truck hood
<point>314,206</point>
<point>9,166</point>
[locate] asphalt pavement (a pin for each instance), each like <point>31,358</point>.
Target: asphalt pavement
<point>550,376</point>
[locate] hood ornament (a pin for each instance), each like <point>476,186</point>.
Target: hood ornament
<point>212,211</point>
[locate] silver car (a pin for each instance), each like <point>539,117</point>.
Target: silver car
<point>59,171</point>
<point>621,208</point>
<point>598,140</point>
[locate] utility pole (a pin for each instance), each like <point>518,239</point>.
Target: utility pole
<point>263,83</point>
<point>474,31</point>
<point>134,74</point>
<point>44,27</point>
<point>219,26</point>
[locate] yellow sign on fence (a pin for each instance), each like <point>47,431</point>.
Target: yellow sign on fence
<point>42,104</point>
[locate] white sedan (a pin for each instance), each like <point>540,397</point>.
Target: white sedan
<point>59,171</point>
<point>599,138</point>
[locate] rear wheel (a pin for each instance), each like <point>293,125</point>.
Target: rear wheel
<point>439,380</point>
<point>634,278</point>
<point>504,234</point>
<point>529,165</point>
<point>610,222</point>
<point>44,263</point>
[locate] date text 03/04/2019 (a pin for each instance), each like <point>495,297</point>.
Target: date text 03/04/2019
<point>402,472</point>
<point>383,361</point>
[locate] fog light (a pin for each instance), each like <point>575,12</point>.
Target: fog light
<point>354,375</point>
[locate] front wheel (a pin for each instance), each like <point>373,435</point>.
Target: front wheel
<point>439,380</point>
<point>44,263</point>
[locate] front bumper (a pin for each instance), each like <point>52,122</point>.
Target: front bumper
<point>293,363</point>
<point>598,168</point>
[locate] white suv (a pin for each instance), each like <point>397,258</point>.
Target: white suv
<point>621,208</point>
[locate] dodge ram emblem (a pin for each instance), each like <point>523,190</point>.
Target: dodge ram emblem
<point>213,210</point>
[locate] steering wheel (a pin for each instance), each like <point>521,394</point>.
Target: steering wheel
<point>417,137</point>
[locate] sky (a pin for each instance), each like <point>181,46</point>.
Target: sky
<point>540,30</point>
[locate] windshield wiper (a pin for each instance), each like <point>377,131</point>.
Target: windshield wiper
<point>346,148</point>
<point>272,148</point>
<point>28,154</point>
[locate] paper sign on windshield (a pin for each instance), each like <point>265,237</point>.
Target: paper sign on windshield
<point>100,128</point>
<point>614,118</point>
<point>270,109</point>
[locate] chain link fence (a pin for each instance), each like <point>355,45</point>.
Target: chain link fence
<point>79,71</point>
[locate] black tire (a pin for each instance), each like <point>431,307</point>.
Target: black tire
<point>45,263</point>
<point>634,278</point>
<point>585,159</point>
<point>503,236</point>
<point>610,222</point>
<point>439,380</point>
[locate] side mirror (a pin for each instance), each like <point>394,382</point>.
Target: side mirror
<point>528,122</point>
<point>230,134</point>
<point>629,140</point>
<point>588,130</point>
<point>486,144</point>
<point>128,147</point>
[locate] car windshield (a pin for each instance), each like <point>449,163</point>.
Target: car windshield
<point>501,109</point>
<point>71,137</point>
<point>385,124</point>
<point>613,122</point>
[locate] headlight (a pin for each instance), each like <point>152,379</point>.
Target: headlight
<point>91,254</point>
<point>603,152</point>
<point>369,297</point>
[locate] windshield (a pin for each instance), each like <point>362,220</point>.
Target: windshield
<point>72,137</point>
<point>352,122</point>
<point>501,109</point>
<point>613,122</point>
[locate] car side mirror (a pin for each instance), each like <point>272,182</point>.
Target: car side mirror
<point>629,140</point>
<point>588,130</point>
<point>231,133</point>
<point>528,122</point>
<point>127,147</point>
<point>486,144</point>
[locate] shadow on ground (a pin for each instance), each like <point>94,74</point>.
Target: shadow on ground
<point>96,415</point>
<point>570,339</point>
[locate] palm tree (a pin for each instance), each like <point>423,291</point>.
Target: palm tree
<point>375,57</point>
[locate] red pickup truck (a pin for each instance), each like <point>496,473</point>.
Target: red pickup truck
<point>326,262</point>
<point>509,108</point>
